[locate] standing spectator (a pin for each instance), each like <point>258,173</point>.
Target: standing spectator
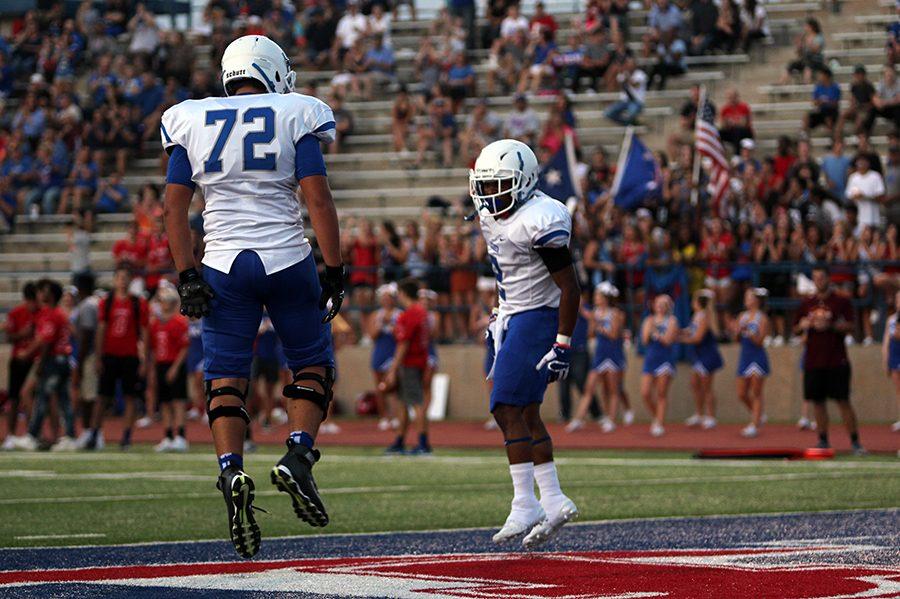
<point>826,99</point>
<point>84,376</point>
<point>19,332</point>
<point>408,367</point>
<point>736,120</point>
<point>166,353</point>
<point>716,248</point>
<point>836,168</point>
<point>319,34</point>
<point>824,319</point>
<point>159,258</point>
<point>363,261</point>
<point>522,123</point>
<point>810,49</point>
<point>121,335</point>
<point>131,250</point>
<point>862,92</point>
<point>865,187</point>
<point>633,82</point>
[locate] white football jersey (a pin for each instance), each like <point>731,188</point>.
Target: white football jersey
<point>523,281</point>
<point>242,154</point>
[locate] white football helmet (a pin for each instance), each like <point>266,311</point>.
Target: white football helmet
<point>257,57</point>
<point>513,166</point>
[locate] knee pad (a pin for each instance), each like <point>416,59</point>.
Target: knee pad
<point>320,398</point>
<point>225,411</point>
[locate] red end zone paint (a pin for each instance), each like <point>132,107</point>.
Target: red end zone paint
<point>783,572</point>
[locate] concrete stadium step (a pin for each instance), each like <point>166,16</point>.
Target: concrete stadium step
<point>30,261</point>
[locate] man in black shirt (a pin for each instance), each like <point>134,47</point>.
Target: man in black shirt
<point>319,37</point>
<point>704,15</point>
<point>861,93</point>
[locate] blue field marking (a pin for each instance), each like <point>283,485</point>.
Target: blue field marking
<point>877,530</point>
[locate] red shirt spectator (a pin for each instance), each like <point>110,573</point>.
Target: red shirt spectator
<point>825,348</point>
<point>20,321</point>
<point>542,20</point>
<point>168,338</point>
<point>364,259</point>
<point>159,259</point>
<point>736,115</point>
<point>131,250</point>
<point>412,326</point>
<point>715,249</point>
<point>52,328</point>
<point>122,333</point>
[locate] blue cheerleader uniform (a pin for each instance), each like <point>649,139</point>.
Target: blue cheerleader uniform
<point>609,353</point>
<point>432,349</point>
<point>753,359</point>
<point>705,356</point>
<point>195,345</point>
<point>385,345</point>
<point>659,359</point>
<point>893,345</point>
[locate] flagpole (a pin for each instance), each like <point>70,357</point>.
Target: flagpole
<point>570,160</point>
<point>695,176</point>
<point>620,163</point>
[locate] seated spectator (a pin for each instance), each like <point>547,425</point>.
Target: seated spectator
<point>380,24</point>
<point>810,49</point>
<point>459,81</point>
<point>595,59</point>
<point>319,34</point>
<point>347,82</point>
<point>704,16</point>
<point>343,124</point>
<point>148,208</point>
<point>30,119</point>
<point>379,66</point>
<point>728,28</point>
<point>746,159</point>
<point>350,28</point>
<point>513,22</point>
<point>553,136</point>
<point>402,115</point>
<point>670,60</point>
<point>427,68</point>
<point>893,41</point>
<point>522,123</point>
<point>9,207</point>
<point>633,82</point>
<point>542,20</point>
<point>664,22</point>
<point>505,61</point>
<point>440,129</point>
<point>865,188</point>
<point>48,182</point>
<point>144,32</point>
<point>131,250</point>
<point>483,126</point>
<point>736,123</point>
<point>826,98</point>
<point>540,54</point>
<point>619,55</point>
<point>864,148</point>
<point>887,99</point>
<point>17,169</point>
<point>111,195</point>
<point>858,112</point>
<point>836,168</point>
<point>754,23</point>
<point>81,185</point>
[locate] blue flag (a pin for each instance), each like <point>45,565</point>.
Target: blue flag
<point>557,179</point>
<point>640,177</point>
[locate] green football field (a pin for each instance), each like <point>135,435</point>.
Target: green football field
<point>114,497</point>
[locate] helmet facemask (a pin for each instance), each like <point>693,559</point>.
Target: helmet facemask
<point>496,192</point>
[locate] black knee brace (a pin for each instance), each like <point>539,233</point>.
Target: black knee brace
<point>320,398</point>
<point>225,411</point>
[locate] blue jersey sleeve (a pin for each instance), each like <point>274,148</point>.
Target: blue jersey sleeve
<point>179,169</point>
<point>308,159</point>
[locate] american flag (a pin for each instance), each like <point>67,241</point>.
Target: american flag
<point>710,145</point>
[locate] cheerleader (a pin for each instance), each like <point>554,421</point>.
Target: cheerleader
<point>194,366</point>
<point>703,351</point>
<point>606,323</point>
<point>752,327</point>
<point>659,332</point>
<point>890,349</point>
<point>429,300</point>
<point>381,330</point>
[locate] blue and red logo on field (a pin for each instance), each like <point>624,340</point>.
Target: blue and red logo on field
<point>794,571</point>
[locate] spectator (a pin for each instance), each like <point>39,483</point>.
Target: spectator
<point>810,49</point>
<point>379,66</point>
<point>704,16</point>
<point>633,82</point>
<point>380,24</point>
<point>20,329</point>
<point>343,127</point>
<point>350,28</point>
<point>131,250</point>
<point>513,23</point>
<point>887,99</point>
<point>542,20</point>
<point>465,10</point>
<point>893,41</point>
<point>736,123</point>
<point>506,60</point>
<point>48,182</point>
<point>319,35</point>
<point>81,185</point>
<point>595,59</point>
<point>863,148</point>
<point>540,53</point>
<point>664,22</point>
<point>865,187</point>
<point>671,60</point>
<point>826,98</point>
<point>728,28</point>
<point>836,168</point>
<point>862,92</point>
<point>754,23</point>
<point>459,81</point>
<point>144,32</point>
<point>111,196</point>
<point>428,68</point>
<point>403,114</point>
<point>439,129</point>
<point>522,123</point>
<point>483,126</point>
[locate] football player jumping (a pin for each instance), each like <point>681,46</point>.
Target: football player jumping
<point>247,152</point>
<point>527,234</point>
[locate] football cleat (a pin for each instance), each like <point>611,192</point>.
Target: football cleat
<point>293,475</point>
<point>238,489</point>
<point>549,526</point>
<point>517,524</point>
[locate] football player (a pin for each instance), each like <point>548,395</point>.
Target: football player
<point>527,234</point>
<point>247,152</point>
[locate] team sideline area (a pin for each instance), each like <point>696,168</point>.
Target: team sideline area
<point>653,525</point>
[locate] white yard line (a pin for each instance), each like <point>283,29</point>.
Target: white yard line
<point>631,482</point>
<point>83,535</point>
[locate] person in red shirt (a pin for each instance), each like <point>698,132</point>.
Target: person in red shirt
<point>51,349</point>
<point>159,258</point>
<point>121,333</point>
<point>166,353</point>
<point>409,365</point>
<point>19,332</point>
<point>131,250</point>
<point>737,121</point>
<point>824,319</point>
<point>715,249</point>
<point>543,20</point>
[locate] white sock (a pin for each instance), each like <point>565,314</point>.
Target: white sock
<point>524,499</point>
<point>548,483</point>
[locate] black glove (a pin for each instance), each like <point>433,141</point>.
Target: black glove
<point>196,294</point>
<point>332,281</point>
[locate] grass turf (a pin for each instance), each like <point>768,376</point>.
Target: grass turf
<point>140,496</point>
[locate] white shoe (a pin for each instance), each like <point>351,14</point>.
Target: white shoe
<point>65,444</point>
<point>628,418</point>
<point>868,342</point>
<point>519,523</point>
<point>329,428</point>
<point>179,444</point>
<point>193,414</point>
<point>749,431</point>
<point>143,422</point>
<point>849,340</point>
<point>101,442</point>
<point>778,341</point>
<point>163,446</point>
<point>708,423</point>
<point>278,416</point>
<point>574,425</point>
<point>895,428</point>
<point>490,424</point>
<point>767,342</point>
<point>607,425</point>
<point>9,443</point>
<point>395,423</point>
<point>384,424</point>
<point>27,443</point>
<point>657,430</point>
<point>804,424</point>
<point>549,526</point>
<point>694,420</point>
<point>763,419</point>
